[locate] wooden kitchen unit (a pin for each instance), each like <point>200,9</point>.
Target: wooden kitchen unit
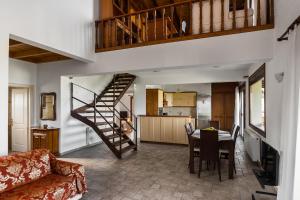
<point>180,99</point>
<point>45,139</point>
<point>164,129</point>
<point>154,101</point>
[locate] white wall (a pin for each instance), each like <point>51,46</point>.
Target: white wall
<point>24,74</point>
<point>61,26</point>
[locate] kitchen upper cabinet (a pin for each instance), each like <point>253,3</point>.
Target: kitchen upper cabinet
<point>184,99</point>
<point>154,100</point>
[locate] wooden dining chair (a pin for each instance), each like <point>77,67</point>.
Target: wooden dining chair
<point>209,149</point>
<point>192,142</point>
<point>224,153</point>
<point>191,127</point>
<point>215,124</point>
<point>232,129</point>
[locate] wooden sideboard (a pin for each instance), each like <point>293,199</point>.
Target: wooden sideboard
<point>164,129</point>
<point>45,139</point>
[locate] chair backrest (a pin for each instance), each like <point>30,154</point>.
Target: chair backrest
<point>215,124</point>
<point>191,127</point>
<point>232,129</point>
<point>236,133</point>
<point>209,145</point>
<point>188,129</point>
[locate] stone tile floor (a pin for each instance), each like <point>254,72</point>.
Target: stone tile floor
<point>160,172</point>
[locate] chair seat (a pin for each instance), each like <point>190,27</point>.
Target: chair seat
<point>224,151</point>
<point>50,187</point>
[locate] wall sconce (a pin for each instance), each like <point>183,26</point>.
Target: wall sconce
<point>279,77</point>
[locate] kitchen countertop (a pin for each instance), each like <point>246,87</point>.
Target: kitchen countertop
<point>166,116</point>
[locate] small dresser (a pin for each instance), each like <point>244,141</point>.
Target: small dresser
<point>45,139</point>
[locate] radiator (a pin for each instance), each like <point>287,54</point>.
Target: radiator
<point>252,145</point>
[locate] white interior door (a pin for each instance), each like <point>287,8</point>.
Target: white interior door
<point>19,114</point>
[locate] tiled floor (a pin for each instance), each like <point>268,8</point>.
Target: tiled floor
<point>160,172</point>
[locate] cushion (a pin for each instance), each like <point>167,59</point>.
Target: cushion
<point>52,187</point>
<point>22,168</point>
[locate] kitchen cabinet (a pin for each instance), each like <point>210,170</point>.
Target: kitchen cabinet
<point>45,139</point>
<point>168,129</point>
<point>154,101</point>
<point>181,99</point>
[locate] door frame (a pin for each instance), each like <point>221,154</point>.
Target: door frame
<point>30,102</point>
<point>242,89</point>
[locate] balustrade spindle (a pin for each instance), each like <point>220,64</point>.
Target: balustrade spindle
<point>123,31</point>
<point>233,15</point>
<point>163,22</point>
<point>146,25</point>
<point>246,13</point>
<point>97,34</point>
<point>154,15</point>
<point>116,33</point>
<point>258,13</point>
<point>172,20</point>
<point>222,15</point>
<point>180,19</point>
<point>102,34</point>
<point>211,15</point>
<point>200,13</point>
<point>130,27</point>
<point>139,28</point>
<point>191,18</point>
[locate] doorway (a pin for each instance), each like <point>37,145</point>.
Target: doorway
<point>18,119</point>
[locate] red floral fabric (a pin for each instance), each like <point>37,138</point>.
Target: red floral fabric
<point>38,175</point>
<point>51,187</point>
<point>23,168</point>
<point>70,169</point>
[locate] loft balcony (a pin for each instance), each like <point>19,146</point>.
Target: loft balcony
<point>185,20</point>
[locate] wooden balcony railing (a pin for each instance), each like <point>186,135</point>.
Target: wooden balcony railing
<point>183,21</point>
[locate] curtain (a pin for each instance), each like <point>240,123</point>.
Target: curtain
<point>290,121</point>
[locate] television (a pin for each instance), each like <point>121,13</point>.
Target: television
<point>268,175</point>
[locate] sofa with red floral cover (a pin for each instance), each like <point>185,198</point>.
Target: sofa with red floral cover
<point>39,175</point>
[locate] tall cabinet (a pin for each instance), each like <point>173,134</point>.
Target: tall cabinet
<point>154,101</point>
<point>223,104</point>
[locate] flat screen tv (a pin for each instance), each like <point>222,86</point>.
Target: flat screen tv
<point>269,172</point>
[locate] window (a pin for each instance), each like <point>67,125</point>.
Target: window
<point>257,101</point>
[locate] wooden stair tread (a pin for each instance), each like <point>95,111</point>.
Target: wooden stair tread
<point>103,123</point>
<point>123,141</point>
<point>128,148</point>
<point>113,136</point>
<point>108,129</point>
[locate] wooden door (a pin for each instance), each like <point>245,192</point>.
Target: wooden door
<point>223,104</point>
<point>229,107</point>
<point>166,131</point>
<point>218,113</point>
<point>19,114</point>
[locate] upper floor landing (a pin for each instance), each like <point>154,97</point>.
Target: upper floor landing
<point>127,24</point>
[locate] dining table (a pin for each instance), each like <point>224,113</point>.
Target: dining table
<point>226,142</point>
